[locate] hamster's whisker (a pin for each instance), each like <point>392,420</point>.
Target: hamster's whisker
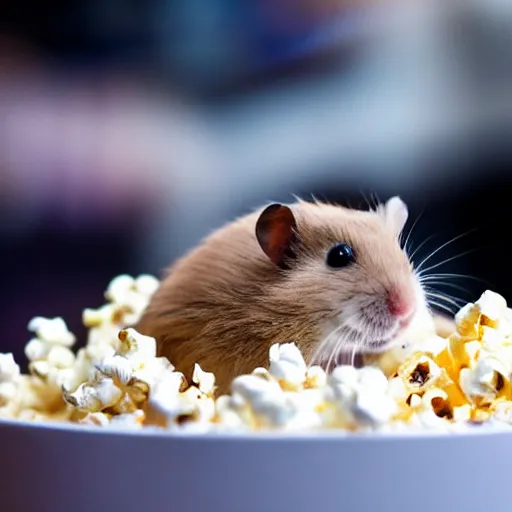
<point>450,285</point>
<point>371,207</point>
<point>440,306</point>
<point>434,291</point>
<point>448,260</point>
<point>324,343</point>
<point>448,275</point>
<point>454,239</point>
<point>406,248</point>
<point>446,244</point>
<point>331,358</point>
<point>451,300</point>
<point>375,199</point>
<point>353,356</point>
<point>421,245</point>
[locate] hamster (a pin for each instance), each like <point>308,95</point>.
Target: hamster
<point>331,279</point>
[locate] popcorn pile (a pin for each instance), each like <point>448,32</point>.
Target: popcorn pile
<point>116,379</point>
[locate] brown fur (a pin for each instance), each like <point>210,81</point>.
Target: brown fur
<point>225,303</point>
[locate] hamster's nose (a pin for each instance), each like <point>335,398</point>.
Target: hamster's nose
<point>400,305</point>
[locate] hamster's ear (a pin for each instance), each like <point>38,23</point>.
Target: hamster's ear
<point>274,231</point>
<point>396,214</point>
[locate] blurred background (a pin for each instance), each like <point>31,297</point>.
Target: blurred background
<point>131,129</point>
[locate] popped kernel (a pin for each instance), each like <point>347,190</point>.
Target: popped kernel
<point>9,381</point>
<point>204,380</point>
<point>492,307</point>
<point>467,321</point>
<point>485,382</point>
<point>420,372</point>
<point>167,406</point>
<point>49,352</point>
<point>136,346</point>
<point>315,377</point>
<point>287,365</point>
<point>463,351</point>
<point>361,396</point>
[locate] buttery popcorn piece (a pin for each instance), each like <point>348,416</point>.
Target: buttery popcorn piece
<point>420,372</point>
<point>315,377</point>
<point>485,382</point>
<point>492,307</point>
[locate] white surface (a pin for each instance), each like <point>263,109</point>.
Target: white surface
<point>86,469</point>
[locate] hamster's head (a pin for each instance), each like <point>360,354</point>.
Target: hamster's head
<point>344,273</point>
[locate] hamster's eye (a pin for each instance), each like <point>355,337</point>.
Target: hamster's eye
<point>340,256</point>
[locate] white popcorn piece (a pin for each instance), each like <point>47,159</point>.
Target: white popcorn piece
<point>147,285</point>
<point>415,401</point>
<point>98,419</point>
<point>398,390</point>
<point>9,369</point>
<point>503,412</point>
<point>374,408</point>
<point>95,398</point>
<point>287,365</point>
<point>82,371</point>
<point>492,338</point>
<point>166,406</point>
<point>131,420</point>
<point>482,383</point>
<point>427,419</point>
<point>49,352</point>
<point>362,396</point>
<point>265,398</point>
<point>204,405</point>
<point>136,347</point>
<point>104,326</point>
<point>462,413</point>
<point>492,307</point>
<point>53,331</point>
<point>204,380</point>
<point>119,288</point>
<point>132,294</point>
<point>227,417</point>
<point>118,368</point>
<point>9,380</point>
<point>315,377</point>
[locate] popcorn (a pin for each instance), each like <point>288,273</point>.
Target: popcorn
<point>127,299</point>
<point>485,382</point>
<point>205,381</point>
<point>136,347</point>
<point>169,406</point>
<point>131,295</point>
<point>122,381</point>
<point>51,331</point>
<point>420,372</point>
<point>9,381</point>
<point>117,381</point>
<point>315,377</point>
<point>492,307</point>
<point>362,396</point>
<point>49,353</point>
<point>287,365</point>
